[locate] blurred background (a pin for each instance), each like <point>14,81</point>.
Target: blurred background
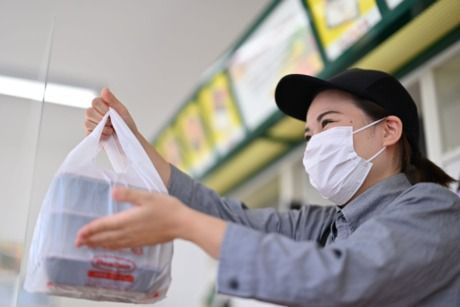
<point>198,77</point>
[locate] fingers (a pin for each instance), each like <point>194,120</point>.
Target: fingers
<point>100,106</point>
<point>104,224</point>
<point>109,232</point>
<point>92,118</point>
<point>118,221</point>
<point>109,98</point>
<point>92,115</point>
<point>111,227</point>
<point>107,239</point>
<point>106,132</point>
<point>132,196</point>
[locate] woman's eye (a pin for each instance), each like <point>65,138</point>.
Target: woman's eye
<point>325,122</point>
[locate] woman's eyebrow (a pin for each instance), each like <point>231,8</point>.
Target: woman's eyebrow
<point>321,116</point>
<point>318,119</point>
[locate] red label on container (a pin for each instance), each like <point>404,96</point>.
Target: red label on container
<point>111,276</point>
<point>113,263</point>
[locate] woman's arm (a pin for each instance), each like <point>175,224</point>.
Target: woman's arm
<point>306,224</point>
<point>395,259</point>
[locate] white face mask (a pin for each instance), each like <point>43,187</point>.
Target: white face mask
<point>335,169</point>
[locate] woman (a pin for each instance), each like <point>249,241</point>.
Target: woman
<point>390,241</point>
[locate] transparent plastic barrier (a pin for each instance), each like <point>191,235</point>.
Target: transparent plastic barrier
<point>25,36</point>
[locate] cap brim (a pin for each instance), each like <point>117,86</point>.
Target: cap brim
<point>294,93</point>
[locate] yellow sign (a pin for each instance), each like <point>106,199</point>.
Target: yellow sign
<point>168,145</point>
<point>302,56</point>
<point>220,113</point>
<point>197,148</point>
<point>340,23</point>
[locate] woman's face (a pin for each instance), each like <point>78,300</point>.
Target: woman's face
<point>333,108</point>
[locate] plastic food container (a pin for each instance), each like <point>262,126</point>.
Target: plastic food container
<point>99,273</point>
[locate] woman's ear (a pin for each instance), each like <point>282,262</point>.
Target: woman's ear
<point>393,128</point>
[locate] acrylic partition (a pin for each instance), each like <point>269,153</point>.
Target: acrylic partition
<point>58,55</point>
<point>25,44</point>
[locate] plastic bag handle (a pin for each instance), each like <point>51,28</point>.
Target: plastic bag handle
<point>115,154</point>
<point>123,150</point>
<point>87,149</point>
<point>133,151</point>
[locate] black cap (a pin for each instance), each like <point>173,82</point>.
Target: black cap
<point>294,94</point>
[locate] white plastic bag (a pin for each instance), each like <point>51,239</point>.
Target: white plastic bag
<point>81,192</point>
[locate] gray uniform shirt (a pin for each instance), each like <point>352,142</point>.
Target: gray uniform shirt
<point>396,244</point>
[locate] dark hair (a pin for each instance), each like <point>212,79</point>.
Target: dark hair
<point>416,167</point>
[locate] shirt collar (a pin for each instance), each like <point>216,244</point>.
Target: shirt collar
<point>374,200</point>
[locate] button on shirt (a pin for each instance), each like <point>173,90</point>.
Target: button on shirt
<point>396,244</point>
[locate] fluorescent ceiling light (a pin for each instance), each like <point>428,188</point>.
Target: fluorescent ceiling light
<point>55,93</point>
<point>69,95</point>
<point>21,88</point>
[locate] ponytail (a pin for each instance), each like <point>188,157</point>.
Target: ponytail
<point>419,168</point>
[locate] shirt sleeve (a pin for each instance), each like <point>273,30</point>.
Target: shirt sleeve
<point>395,259</point>
<point>309,223</point>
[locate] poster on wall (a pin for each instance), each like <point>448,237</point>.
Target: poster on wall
<point>282,44</point>
<point>169,147</point>
<point>220,113</point>
<point>340,23</point>
<point>198,152</point>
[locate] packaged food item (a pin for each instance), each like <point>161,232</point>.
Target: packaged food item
<point>80,192</point>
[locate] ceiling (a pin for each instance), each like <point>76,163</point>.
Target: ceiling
<point>151,53</point>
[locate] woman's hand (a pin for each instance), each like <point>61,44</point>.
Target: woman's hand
<point>155,218</point>
<point>100,106</point>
